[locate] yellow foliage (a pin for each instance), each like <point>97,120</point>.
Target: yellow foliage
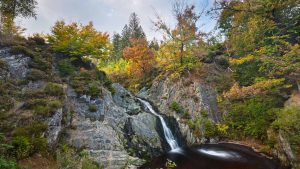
<point>261,87</point>
<point>241,60</point>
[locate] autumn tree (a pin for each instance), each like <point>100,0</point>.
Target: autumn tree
<point>185,35</point>
<point>10,9</point>
<point>80,41</point>
<point>141,57</point>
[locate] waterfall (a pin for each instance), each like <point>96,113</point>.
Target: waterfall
<point>167,132</point>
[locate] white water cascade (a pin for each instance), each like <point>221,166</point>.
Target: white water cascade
<point>167,132</point>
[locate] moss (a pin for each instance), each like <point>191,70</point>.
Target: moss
<point>36,74</point>
<point>92,108</point>
<point>54,89</point>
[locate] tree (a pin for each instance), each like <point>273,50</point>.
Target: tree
<point>10,9</point>
<point>80,41</point>
<point>125,37</point>
<point>141,57</point>
<point>117,46</point>
<point>154,44</point>
<point>136,31</point>
<point>185,34</point>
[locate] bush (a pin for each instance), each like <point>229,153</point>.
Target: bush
<point>92,108</point>
<point>35,129</point>
<point>36,74</point>
<point>54,89</point>
<point>16,50</point>
<point>66,68</point>
<point>252,117</point>
<point>38,39</point>
<point>90,82</point>
<point>39,144</point>
<point>288,122</point>
<point>89,164</point>
<point>41,63</point>
<point>94,89</point>
<point>21,147</point>
<point>210,129</point>
<point>44,107</point>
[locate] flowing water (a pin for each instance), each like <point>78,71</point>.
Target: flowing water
<point>167,132</point>
<point>207,156</point>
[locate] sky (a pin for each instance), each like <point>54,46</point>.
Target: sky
<point>108,15</point>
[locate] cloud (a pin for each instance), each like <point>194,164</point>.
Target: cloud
<point>107,15</point>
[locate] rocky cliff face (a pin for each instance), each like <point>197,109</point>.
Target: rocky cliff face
<point>119,133</point>
<point>191,95</point>
<point>113,129</point>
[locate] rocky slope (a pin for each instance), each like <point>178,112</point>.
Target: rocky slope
<point>114,130</point>
<point>191,95</point>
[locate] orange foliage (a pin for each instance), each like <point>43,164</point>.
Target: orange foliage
<point>262,87</point>
<point>141,57</point>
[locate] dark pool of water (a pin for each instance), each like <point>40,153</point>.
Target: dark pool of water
<point>214,156</point>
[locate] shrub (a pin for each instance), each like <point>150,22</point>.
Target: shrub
<point>39,144</point>
<point>35,129</point>
<point>89,164</point>
<point>15,50</point>
<point>41,63</point>
<point>288,122</point>
<point>252,117</point>
<point>54,89</point>
<point>89,82</point>
<point>6,163</point>
<point>92,108</point>
<point>36,74</point>
<point>66,68</point>
<point>94,89</point>
<point>43,107</point>
<point>210,128</point>
<point>21,147</point>
<point>38,39</point>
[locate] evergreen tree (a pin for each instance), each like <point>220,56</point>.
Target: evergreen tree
<point>125,37</point>
<point>117,46</point>
<point>154,44</point>
<point>136,31</point>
